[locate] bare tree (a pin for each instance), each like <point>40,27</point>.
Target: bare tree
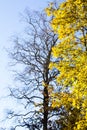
<point>34,54</point>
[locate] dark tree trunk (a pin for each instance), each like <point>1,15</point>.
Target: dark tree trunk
<point>46,101</point>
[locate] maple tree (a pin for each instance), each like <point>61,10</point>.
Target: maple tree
<point>70,23</point>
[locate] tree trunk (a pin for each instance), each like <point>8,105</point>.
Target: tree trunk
<point>46,101</point>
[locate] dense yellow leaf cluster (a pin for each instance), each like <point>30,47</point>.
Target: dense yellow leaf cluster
<point>70,23</point>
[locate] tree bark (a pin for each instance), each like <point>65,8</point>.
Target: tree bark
<point>46,101</point>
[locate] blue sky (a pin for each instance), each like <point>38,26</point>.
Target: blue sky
<point>9,25</point>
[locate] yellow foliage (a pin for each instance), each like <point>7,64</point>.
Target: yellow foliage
<point>70,23</point>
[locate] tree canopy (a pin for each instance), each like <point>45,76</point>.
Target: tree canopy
<point>70,23</point>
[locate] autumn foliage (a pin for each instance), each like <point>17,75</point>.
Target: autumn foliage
<point>70,23</point>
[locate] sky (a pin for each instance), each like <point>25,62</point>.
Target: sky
<point>10,24</point>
